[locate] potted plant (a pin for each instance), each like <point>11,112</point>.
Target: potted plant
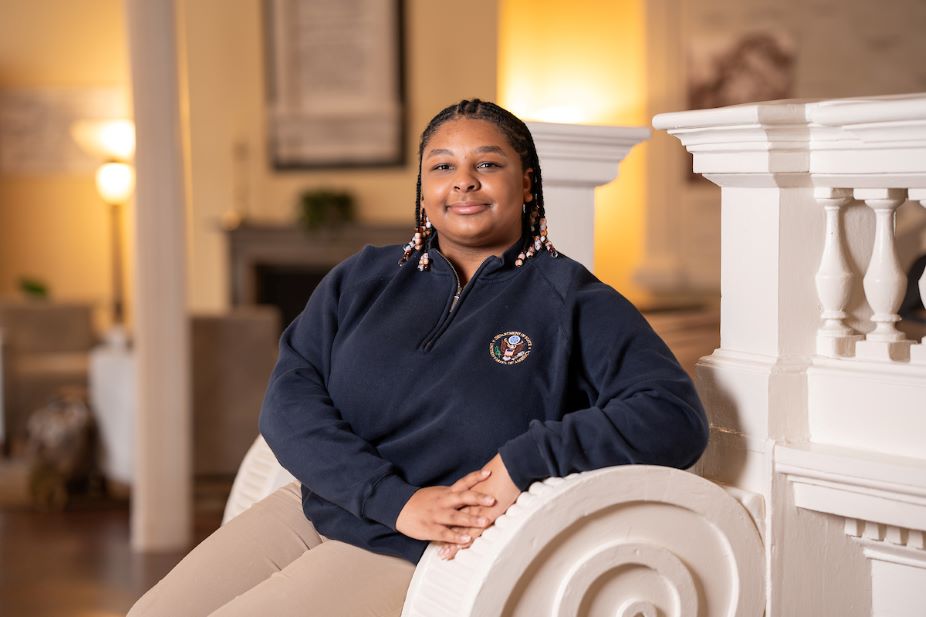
<point>325,208</point>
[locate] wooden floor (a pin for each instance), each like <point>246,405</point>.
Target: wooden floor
<point>78,562</point>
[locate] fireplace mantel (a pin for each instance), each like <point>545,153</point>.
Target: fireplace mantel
<point>253,245</point>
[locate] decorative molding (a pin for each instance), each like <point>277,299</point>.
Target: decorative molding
<point>877,142</point>
<point>876,534</point>
<point>667,529</point>
<point>580,155</point>
<point>866,404</point>
<point>867,486</point>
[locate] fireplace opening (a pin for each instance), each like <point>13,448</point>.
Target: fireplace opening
<point>286,286</point>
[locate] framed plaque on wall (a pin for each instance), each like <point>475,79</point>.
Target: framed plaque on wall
<point>335,83</point>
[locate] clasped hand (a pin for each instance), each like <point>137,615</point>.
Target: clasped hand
<point>458,514</point>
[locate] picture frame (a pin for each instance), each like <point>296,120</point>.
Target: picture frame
<point>336,83</point>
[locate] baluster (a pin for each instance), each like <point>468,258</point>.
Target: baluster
<point>884,282</point>
<point>918,352</point>
<point>833,279</point>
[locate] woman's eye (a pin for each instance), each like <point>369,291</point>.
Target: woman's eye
<point>441,167</point>
<point>486,164</point>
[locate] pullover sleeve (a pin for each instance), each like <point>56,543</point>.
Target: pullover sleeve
<point>644,408</point>
<point>305,430</point>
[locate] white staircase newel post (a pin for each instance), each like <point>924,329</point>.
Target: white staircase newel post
<point>833,278</point>
<point>884,280</point>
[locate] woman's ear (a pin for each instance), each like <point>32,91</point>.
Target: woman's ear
<point>528,185</point>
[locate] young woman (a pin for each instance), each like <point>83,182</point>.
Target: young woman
<point>415,402</point>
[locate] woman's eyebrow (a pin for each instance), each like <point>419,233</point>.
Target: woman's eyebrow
<point>439,152</point>
<point>479,150</point>
<point>493,149</point>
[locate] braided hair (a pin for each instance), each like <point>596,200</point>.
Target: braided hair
<point>534,221</point>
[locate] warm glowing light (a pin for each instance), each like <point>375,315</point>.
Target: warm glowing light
<point>566,114</point>
<point>580,63</point>
<point>585,63</point>
<point>115,182</point>
<point>106,139</point>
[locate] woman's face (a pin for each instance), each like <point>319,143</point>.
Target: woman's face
<point>473,186</point>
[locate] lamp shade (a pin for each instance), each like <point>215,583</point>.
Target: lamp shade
<point>115,182</point>
<point>106,139</point>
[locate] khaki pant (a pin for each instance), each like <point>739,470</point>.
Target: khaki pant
<point>270,561</point>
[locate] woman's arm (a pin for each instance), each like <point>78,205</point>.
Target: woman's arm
<point>305,430</point>
<point>644,408</point>
<point>310,438</point>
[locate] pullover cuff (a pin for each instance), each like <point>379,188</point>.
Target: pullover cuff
<point>387,499</point>
<point>524,462</point>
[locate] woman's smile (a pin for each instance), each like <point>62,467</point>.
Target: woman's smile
<point>467,207</point>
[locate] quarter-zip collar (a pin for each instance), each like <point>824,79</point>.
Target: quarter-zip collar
<point>492,267</point>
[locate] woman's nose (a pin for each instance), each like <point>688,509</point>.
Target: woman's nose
<point>465,181</point>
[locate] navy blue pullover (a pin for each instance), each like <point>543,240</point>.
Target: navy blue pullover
<point>385,384</point>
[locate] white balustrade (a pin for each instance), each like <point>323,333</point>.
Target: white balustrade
<point>834,280</point>
<point>804,413</point>
<point>884,282</point>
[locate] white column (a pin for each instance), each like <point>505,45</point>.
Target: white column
<point>663,267</point>
<point>574,160</point>
<point>834,280</point>
<point>162,494</point>
<point>885,281</point>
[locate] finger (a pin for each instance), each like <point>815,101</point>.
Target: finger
<point>453,537</point>
<point>470,480</point>
<point>473,532</point>
<point>467,498</point>
<point>469,521</point>
<point>448,552</point>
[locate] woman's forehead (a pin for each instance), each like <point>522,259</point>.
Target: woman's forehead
<point>468,131</point>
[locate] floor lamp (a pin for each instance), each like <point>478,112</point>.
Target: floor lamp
<point>112,364</point>
<point>113,142</point>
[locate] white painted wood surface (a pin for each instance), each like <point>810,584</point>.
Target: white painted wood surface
<point>626,541</point>
<point>833,279</point>
<point>622,541</point>
<point>828,430</point>
<point>574,160</point>
<point>884,279</point>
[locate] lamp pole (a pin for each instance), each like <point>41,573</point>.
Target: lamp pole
<point>118,292</point>
<point>115,181</point>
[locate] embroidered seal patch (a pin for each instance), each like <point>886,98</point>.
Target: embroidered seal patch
<point>510,347</point>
